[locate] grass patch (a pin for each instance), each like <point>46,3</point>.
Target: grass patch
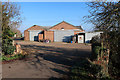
<point>84,70</point>
<point>18,56</point>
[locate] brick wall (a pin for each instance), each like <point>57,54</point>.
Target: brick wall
<point>26,35</point>
<point>64,25</point>
<point>49,35</point>
<point>40,37</point>
<point>26,32</point>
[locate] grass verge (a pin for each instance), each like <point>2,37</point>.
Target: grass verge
<point>84,70</point>
<point>8,57</point>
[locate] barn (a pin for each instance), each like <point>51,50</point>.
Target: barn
<point>31,34</point>
<point>61,32</point>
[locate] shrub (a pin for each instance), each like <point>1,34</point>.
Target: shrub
<point>85,71</point>
<point>95,39</point>
<point>8,49</point>
<point>7,46</point>
<point>95,52</point>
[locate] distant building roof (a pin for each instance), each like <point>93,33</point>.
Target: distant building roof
<point>46,27</point>
<point>79,27</point>
<point>36,27</point>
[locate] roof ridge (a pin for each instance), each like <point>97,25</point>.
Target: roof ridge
<point>65,22</point>
<point>80,27</point>
<point>34,26</point>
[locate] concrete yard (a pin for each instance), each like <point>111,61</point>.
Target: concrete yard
<point>46,60</point>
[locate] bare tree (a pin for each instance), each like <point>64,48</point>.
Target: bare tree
<point>10,19</point>
<point>10,15</point>
<point>106,17</point>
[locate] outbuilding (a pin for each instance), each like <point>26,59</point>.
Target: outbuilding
<point>61,32</point>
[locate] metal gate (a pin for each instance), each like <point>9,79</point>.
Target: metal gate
<point>33,35</point>
<point>63,35</point>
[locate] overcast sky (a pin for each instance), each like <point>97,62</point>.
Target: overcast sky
<point>51,13</point>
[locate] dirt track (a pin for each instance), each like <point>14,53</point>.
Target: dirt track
<point>46,60</point>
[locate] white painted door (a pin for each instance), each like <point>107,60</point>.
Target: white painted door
<point>80,38</point>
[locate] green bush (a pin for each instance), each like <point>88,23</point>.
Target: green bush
<point>96,47</point>
<point>8,49</point>
<point>7,46</point>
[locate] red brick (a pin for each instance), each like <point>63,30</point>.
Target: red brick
<point>49,35</point>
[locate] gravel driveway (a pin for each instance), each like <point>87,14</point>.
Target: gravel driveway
<point>46,60</point>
